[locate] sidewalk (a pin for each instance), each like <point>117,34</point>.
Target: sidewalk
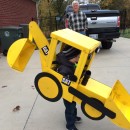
<point>34,113</point>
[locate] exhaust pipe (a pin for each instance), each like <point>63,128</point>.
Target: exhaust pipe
<point>86,77</point>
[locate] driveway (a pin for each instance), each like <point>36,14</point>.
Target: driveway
<point>22,108</point>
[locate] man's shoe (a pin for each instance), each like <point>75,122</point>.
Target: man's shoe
<point>78,119</point>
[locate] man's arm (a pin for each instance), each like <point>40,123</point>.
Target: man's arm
<point>70,22</point>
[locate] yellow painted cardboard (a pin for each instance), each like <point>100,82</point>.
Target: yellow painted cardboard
<point>97,100</point>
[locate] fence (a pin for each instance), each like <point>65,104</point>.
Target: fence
<point>49,24</point>
<point>52,23</point>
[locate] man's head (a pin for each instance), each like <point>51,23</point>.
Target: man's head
<point>75,5</point>
<point>71,54</point>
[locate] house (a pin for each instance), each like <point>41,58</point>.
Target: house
<point>15,12</point>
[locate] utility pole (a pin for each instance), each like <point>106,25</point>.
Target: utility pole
<point>37,9</point>
<point>37,5</point>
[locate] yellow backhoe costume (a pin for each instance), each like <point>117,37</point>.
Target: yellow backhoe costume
<point>97,100</point>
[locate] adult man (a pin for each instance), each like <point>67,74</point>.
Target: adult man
<point>77,19</point>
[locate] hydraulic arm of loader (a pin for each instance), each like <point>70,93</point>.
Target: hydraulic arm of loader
<point>116,99</point>
<point>21,50</point>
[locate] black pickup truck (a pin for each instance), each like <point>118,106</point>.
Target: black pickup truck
<point>103,25</point>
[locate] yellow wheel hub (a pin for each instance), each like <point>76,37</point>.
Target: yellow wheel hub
<point>92,111</point>
<point>48,87</point>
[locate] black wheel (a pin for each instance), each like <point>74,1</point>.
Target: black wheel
<point>91,112</point>
<point>48,86</point>
<point>5,52</point>
<point>106,44</point>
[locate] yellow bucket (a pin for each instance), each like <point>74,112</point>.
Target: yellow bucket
<point>119,102</point>
<point>19,54</point>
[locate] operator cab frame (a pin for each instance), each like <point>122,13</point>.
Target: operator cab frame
<point>86,45</point>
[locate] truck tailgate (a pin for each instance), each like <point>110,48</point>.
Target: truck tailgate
<point>102,22</point>
<point>102,18</point>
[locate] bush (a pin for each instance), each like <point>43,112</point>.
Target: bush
<point>125,33</point>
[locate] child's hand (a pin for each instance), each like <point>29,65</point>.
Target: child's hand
<point>73,78</point>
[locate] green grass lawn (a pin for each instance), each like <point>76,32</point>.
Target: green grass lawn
<point>125,33</point>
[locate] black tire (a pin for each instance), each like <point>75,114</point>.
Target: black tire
<point>54,79</point>
<point>106,44</point>
<point>5,52</point>
<point>87,115</point>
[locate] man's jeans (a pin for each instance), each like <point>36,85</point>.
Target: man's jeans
<point>70,114</point>
<point>82,32</point>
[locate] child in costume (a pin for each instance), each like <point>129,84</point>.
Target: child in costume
<point>67,60</point>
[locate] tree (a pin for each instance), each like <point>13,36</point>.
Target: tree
<point>113,4</point>
<point>59,6</point>
<point>122,5</point>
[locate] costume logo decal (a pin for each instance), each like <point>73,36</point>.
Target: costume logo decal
<point>66,81</point>
<point>45,50</point>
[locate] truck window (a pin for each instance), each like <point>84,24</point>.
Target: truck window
<point>93,7</point>
<point>84,7</point>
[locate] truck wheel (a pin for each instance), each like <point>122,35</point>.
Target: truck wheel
<point>5,52</point>
<point>91,112</point>
<point>48,86</point>
<point>106,44</point>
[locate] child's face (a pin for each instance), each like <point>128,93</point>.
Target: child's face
<point>75,59</point>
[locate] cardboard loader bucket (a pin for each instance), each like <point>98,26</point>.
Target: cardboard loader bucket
<point>19,53</point>
<point>119,102</point>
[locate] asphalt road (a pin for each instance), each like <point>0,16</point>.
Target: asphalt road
<point>34,113</point>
